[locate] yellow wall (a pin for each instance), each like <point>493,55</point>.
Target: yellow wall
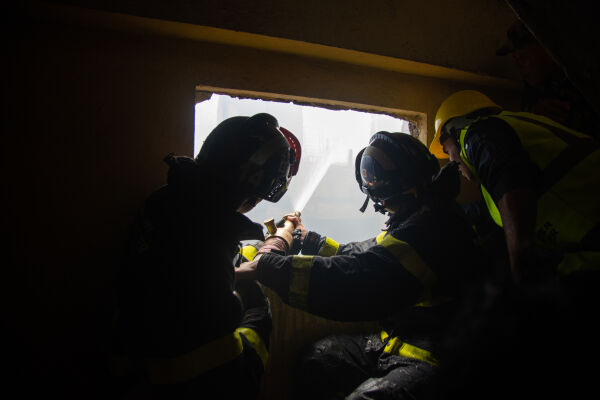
<point>89,117</point>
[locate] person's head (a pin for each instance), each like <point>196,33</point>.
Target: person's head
<point>533,62</point>
<point>252,158</point>
<point>456,112</point>
<point>393,169</point>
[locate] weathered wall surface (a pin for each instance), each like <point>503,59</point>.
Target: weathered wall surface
<point>460,34</point>
<point>89,116</point>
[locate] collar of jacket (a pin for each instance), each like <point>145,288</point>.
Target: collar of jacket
<point>246,228</point>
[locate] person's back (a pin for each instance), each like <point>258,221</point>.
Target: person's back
<point>175,270</point>
<point>183,323</point>
<point>445,241</point>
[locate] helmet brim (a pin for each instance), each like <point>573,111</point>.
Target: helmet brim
<point>457,104</point>
<point>436,147</point>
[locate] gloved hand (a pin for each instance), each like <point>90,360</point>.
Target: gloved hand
<point>281,241</point>
<point>298,234</point>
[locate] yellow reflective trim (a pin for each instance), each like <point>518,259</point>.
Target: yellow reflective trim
<point>329,248</point>
<point>397,347</point>
<point>299,281</point>
<point>187,366</point>
<point>566,209</point>
<point>248,252</point>
<point>411,261</point>
<point>257,342</point>
<point>491,206</point>
<point>409,351</point>
<point>463,153</point>
<point>380,237</point>
<point>487,198</point>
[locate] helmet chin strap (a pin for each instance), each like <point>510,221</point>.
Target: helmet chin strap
<point>364,206</point>
<point>378,207</point>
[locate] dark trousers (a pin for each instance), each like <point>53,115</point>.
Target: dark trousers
<point>356,367</point>
<point>239,378</point>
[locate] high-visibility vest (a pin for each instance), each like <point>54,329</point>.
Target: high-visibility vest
<point>569,189</point>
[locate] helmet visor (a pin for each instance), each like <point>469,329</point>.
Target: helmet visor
<point>377,182</point>
<point>275,177</point>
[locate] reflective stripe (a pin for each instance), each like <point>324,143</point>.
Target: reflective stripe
<point>380,237</point>
<point>491,206</point>
<point>257,343</point>
<point>329,248</point>
<point>411,261</point>
<point>397,347</point>
<point>187,366</point>
<point>463,153</point>
<point>299,281</point>
<point>487,198</point>
<point>248,252</point>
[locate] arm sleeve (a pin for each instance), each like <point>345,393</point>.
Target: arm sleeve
<point>324,246</point>
<point>369,285</point>
<point>495,152</point>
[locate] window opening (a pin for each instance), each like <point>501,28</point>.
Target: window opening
<point>324,190</point>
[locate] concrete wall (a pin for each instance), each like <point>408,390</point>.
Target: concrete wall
<point>89,115</point>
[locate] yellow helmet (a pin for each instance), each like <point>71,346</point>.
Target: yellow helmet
<point>456,105</point>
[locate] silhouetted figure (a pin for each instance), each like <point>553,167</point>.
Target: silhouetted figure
<point>182,331</point>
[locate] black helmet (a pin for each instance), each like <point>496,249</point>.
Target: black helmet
<point>253,153</point>
<point>392,164</point>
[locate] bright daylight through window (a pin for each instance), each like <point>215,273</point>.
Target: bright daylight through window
<point>325,189</point>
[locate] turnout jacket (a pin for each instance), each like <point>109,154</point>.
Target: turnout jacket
<point>176,306</point>
<point>407,277</point>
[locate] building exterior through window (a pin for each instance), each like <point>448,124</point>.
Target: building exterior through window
<point>325,189</point>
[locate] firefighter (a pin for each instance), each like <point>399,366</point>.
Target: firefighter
<point>181,327</point>
<point>538,179</point>
<point>410,277</point>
